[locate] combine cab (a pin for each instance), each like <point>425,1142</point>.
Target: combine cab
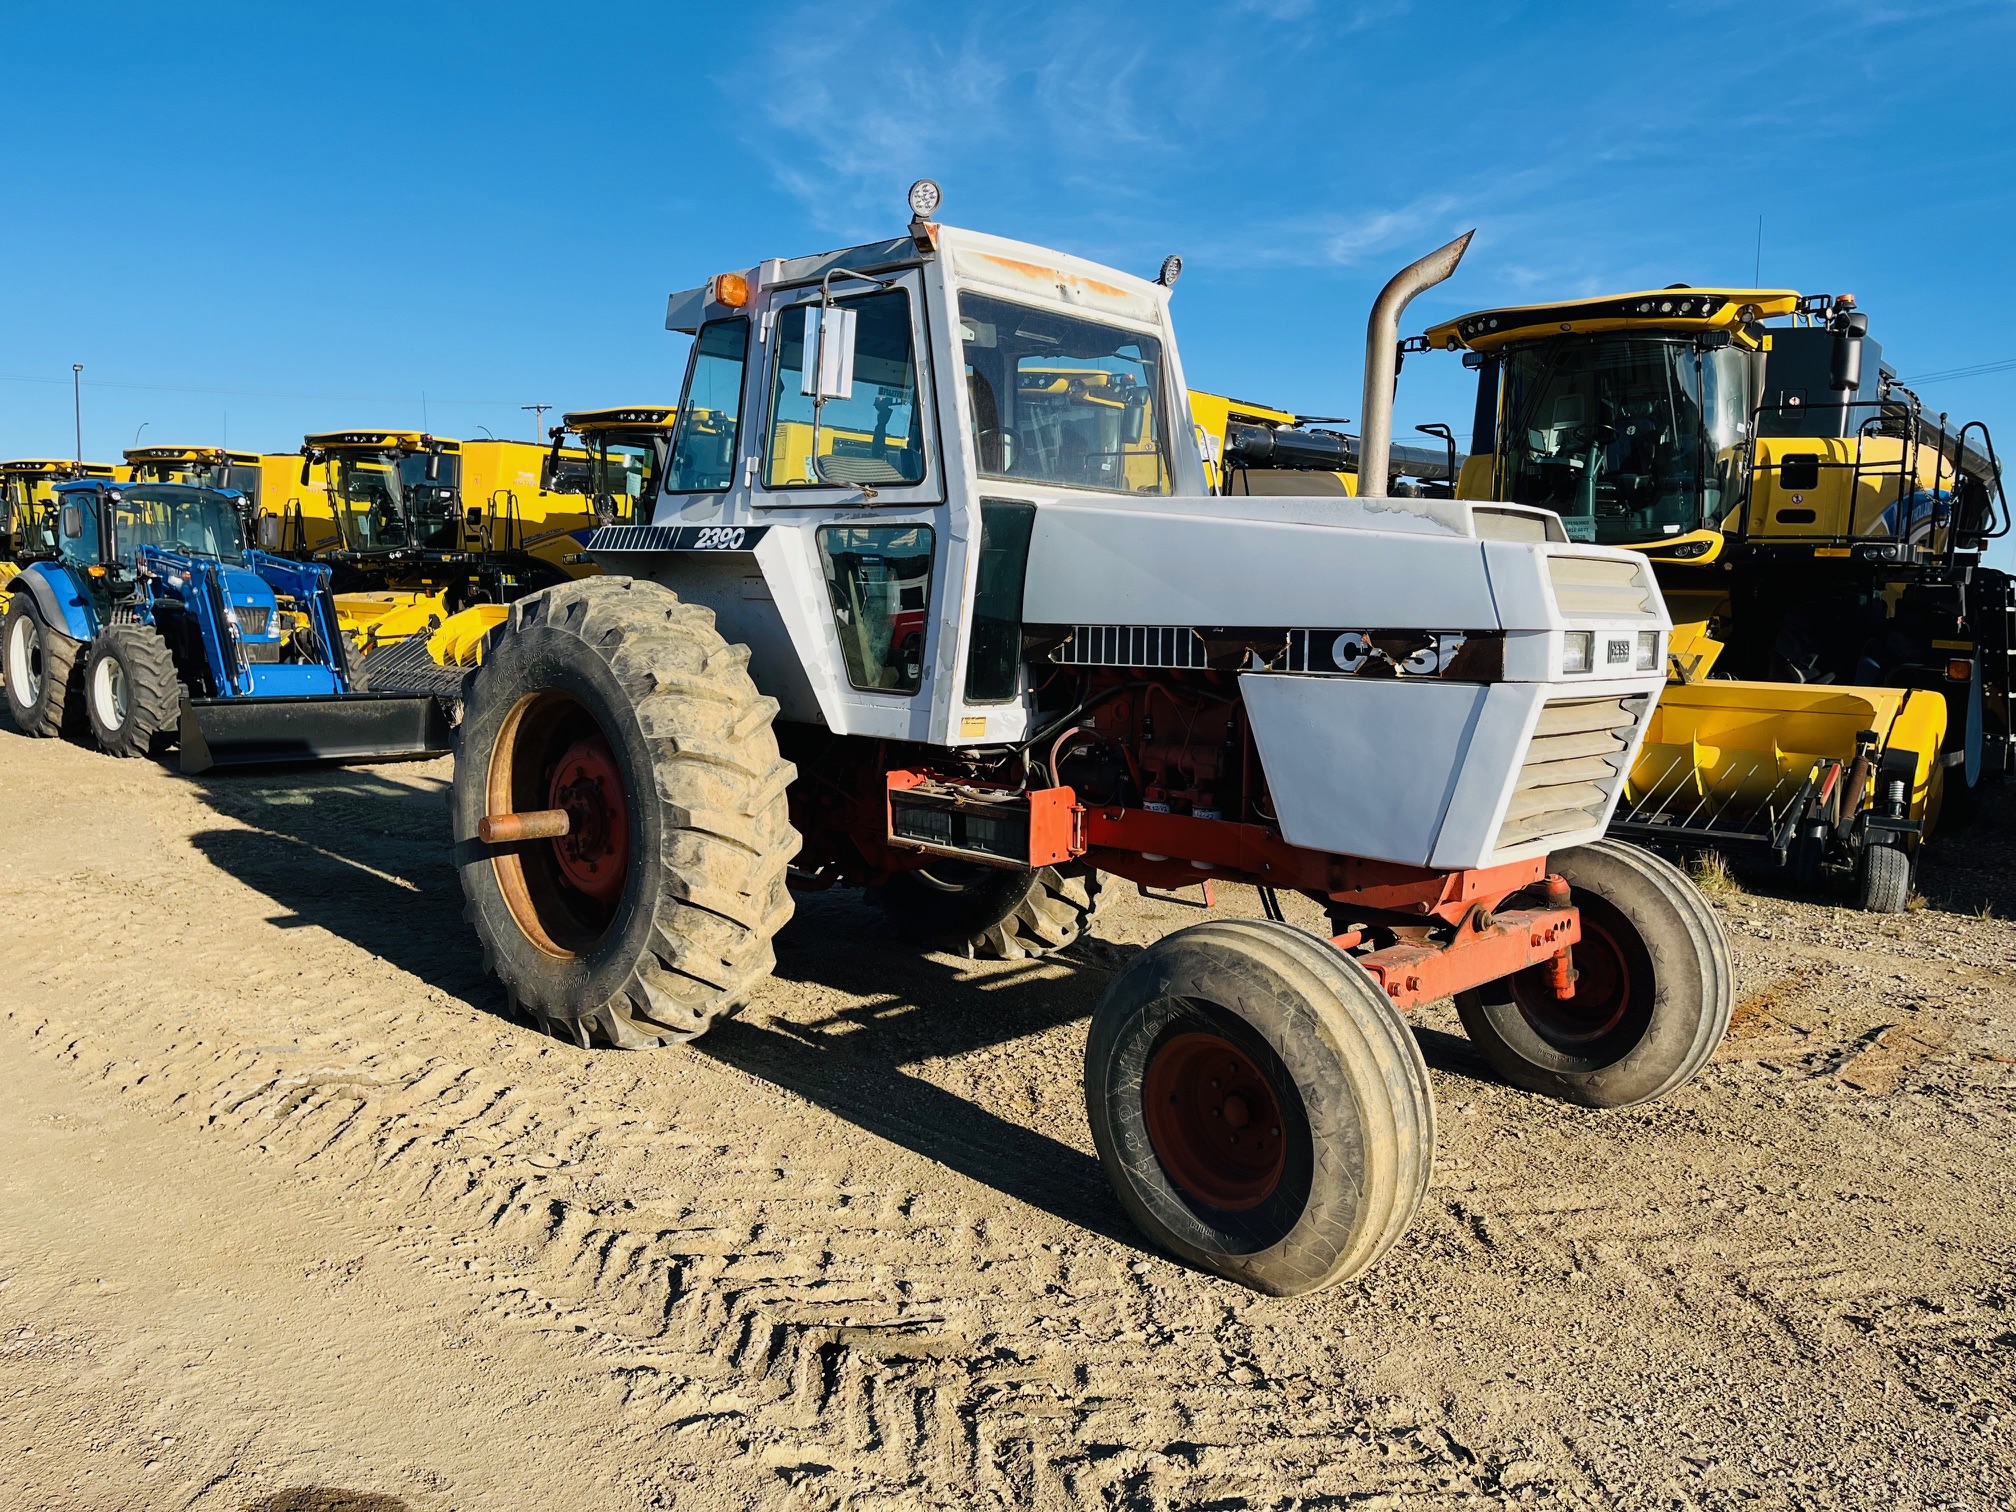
<point>1839,664</point>
<point>155,624</point>
<point>288,504</point>
<point>28,508</point>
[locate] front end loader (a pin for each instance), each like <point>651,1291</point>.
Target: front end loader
<point>1840,667</point>
<point>155,624</point>
<point>915,611</point>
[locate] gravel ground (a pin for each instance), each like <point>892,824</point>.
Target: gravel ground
<point>293,1211</point>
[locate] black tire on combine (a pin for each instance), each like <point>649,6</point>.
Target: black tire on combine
<point>131,693</point>
<point>1653,994</point>
<point>654,915</point>
<point>993,913</point>
<point>41,666</point>
<point>1259,1105</point>
<point>1883,879</point>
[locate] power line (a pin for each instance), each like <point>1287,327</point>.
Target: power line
<point>1979,370</point>
<point>176,388</point>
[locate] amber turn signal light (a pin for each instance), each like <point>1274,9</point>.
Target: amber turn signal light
<point>1960,670</point>
<point>730,289</point>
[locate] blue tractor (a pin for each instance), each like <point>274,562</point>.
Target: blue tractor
<point>156,623</point>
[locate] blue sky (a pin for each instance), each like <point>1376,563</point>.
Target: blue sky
<point>279,218</point>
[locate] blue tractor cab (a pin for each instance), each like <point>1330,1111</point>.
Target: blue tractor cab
<point>156,622</point>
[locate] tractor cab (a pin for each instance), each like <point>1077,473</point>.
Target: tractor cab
<point>199,466</point>
<point>620,464</point>
<point>28,503</point>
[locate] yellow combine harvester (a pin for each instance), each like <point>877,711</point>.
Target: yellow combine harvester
<point>28,507</point>
<point>1840,659</point>
<point>620,463</point>
<point>437,536</point>
<point>1253,448</point>
<point>290,510</point>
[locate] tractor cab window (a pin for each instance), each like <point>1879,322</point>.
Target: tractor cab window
<point>385,501</point>
<point>1627,438</point>
<point>875,435</point>
<point>80,549</point>
<point>620,477</point>
<point>1063,400</point>
<point>879,580</point>
<point>710,411</point>
<point>175,517</point>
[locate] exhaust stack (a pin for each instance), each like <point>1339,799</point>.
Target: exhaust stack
<point>1382,341</point>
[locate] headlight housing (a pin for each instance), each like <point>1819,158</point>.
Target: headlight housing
<point>1648,650</point>
<point>1578,650</point>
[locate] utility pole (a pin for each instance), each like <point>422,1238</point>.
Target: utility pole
<point>538,420</point>
<point>77,405</point>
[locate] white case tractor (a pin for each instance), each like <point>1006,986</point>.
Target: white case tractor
<point>935,601</point>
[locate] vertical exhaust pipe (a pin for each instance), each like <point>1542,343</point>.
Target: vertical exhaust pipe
<point>1382,342</point>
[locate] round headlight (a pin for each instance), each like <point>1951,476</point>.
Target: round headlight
<point>924,198</point>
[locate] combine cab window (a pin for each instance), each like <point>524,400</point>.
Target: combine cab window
<point>879,579</point>
<point>389,501</point>
<point>710,411</point>
<point>1056,399</point>
<point>875,436</point>
<point>1627,438</point>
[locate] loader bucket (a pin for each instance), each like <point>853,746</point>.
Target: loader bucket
<point>1729,763</point>
<point>228,732</point>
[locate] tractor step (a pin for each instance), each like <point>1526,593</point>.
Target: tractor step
<point>229,732</point>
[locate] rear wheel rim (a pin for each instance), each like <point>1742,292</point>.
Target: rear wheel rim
<point>564,894</point>
<point>1213,1121</point>
<point>24,660</point>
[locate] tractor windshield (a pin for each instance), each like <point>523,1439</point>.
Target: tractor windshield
<point>193,521</point>
<point>1060,399</point>
<point>385,501</point>
<point>1627,438</point>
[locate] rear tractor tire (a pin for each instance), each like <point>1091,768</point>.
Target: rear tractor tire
<point>653,916</point>
<point>131,693</point>
<point>990,912</point>
<point>1654,988</point>
<point>42,667</point>
<point>1259,1105</point>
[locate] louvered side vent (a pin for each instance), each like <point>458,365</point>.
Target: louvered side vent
<point>1573,766</point>
<point>1599,587</point>
<point>252,620</point>
<point>1132,646</point>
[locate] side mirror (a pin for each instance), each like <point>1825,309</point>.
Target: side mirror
<point>269,532</point>
<point>306,463</point>
<point>1845,370</point>
<point>73,522</point>
<point>472,517</point>
<point>433,467</point>
<point>829,352</point>
<point>1135,424</point>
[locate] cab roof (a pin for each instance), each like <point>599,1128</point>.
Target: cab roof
<point>380,441</point>
<point>42,467</point>
<point>1677,308</point>
<point>93,485</point>
<point>623,417</point>
<point>211,454</point>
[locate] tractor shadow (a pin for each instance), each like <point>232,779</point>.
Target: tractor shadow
<point>358,855</point>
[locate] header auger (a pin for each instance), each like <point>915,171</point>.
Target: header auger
<point>934,599</point>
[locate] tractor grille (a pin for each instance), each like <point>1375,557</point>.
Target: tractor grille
<point>1599,587</point>
<point>252,619</point>
<point>1132,646</point>
<point>1573,766</point>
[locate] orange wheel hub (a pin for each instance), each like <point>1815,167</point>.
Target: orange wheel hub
<point>1602,992</point>
<point>594,854</point>
<point>1214,1122</point>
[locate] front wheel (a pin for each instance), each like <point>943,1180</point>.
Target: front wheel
<point>41,666</point>
<point>1654,988</point>
<point>1259,1105</point>
<point>131,693</point>
<point>1883,879</point>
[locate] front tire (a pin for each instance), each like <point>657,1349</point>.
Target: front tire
<point>1652,1000</point>
<point>131,693</point>
<point>1259,1105</point>
<point>1883,879</point>
<point>991,912</point>
<point>654,916</point>
<point>41,666</point>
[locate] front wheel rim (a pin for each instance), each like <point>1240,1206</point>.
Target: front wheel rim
<point>1214,1122</point>
<point>1603,997</point>
<point>108,694</point>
